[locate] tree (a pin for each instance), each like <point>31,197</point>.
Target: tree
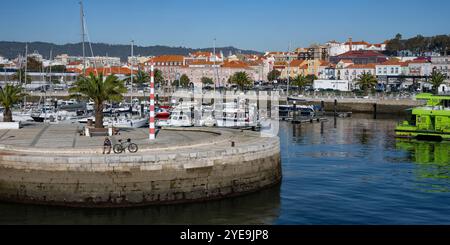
<point>99,89</point>
<point>300,81</point>
<point>241,79</point>
<point>395,45</point>
<point>273,75</point>
<point>184,81</point>
<point>159,79</point>
<point>33,65</point>
<point>367,81</point>
<point>440,43</point>
<point>19,76</point>
<point>207,81</point>
<point>139,78</point>
<point>437,79</point>
<point>9,96</point>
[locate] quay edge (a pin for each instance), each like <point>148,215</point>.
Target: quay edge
<point>151,178</point>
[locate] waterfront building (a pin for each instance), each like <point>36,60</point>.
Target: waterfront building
<point>360,57</point>
<point>337,48</point>
<point>392,67</point>
<point>314,52</point>
<point>420,67</point>
<point>169,65</point>
<point>441,64</point>
<point>97,61</point>
<point>354,71</point>
<point>327,71</point>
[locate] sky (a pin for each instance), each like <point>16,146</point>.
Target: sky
<point>247,24</point>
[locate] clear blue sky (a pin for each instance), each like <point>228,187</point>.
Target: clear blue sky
<point>248,24</point>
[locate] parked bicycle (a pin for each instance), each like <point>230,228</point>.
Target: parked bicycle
<point>121,147</point>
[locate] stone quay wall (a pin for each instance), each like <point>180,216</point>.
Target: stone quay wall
<point>154,177</point>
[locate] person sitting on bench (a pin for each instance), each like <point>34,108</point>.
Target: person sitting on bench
<point>107,146</point>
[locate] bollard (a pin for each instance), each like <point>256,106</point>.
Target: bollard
<point>375,111</point>
<point>232,144</point>
<point>335,107</point>
<point>322,106</point>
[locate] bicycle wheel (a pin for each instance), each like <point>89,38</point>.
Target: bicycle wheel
<point>133,148</point>
<point>118,148</point>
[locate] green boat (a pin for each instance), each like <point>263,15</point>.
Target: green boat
<point>430,122</point>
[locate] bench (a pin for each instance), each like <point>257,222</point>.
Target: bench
<point>92,131</point>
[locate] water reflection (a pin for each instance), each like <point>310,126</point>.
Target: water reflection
<point>432,158</point>
<point>257,208</point>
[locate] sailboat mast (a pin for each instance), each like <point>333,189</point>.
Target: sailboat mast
<point>50,64</point>
<point>26,63</point>
<point>289,69</point>
<point>83,35</point>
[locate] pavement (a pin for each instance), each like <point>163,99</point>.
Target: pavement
<point>67,136</point>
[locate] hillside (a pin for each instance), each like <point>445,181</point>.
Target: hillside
<point>11,50</point>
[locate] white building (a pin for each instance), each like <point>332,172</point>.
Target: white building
<point>441,64</point>
<point>354,71</point>
<point>392,67</point>
<point>341,85</point>
<point>337,48</point>
<point>420,68</point>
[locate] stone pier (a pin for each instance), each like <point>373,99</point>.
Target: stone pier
<point>54,165</point>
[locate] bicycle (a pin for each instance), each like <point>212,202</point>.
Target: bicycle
<point>121,147</point>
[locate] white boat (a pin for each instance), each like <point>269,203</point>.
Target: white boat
<point>176,121</point>
<point>237,115</point>
<point>123,122</point>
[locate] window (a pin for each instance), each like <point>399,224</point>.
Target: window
<point>392,70</point>
<point>396,70</point>
<point>385,70</point>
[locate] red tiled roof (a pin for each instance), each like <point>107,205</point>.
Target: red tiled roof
<point>362,53</point>
<point>346,61</point>
<point>295,63</point>
<point>201,62</point>
<point>391,62</point>
<point>324,63</point>
<point>109,70</point>
<point>235,64</point>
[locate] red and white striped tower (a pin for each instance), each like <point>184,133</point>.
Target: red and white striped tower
<point>151,123</point>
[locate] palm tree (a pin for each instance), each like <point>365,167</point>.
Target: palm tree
<point>9,96</point>
<point>241,79</point>
<point>99,89</point>
<point>139,78</point>
<point>300,81</point>
<point>437,79</point>
<point>367,81</point>
<point>19,76</point>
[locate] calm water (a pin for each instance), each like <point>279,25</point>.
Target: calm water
<point>348,171</point>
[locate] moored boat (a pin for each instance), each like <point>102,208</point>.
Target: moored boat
<point>431,121</point>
